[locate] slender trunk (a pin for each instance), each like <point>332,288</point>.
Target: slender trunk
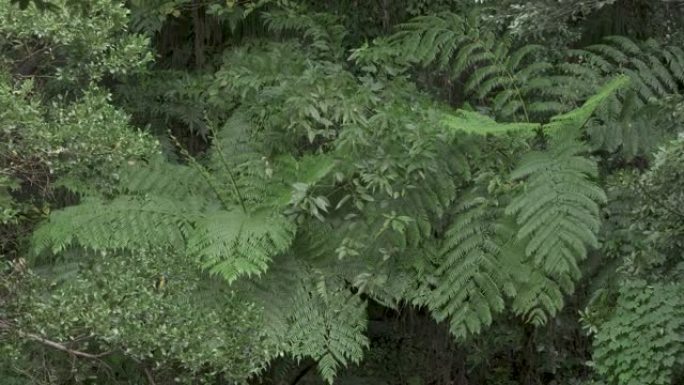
<point>386,15</point>
<point>199,32</point>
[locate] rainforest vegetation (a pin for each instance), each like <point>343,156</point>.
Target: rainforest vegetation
<point>300,192</point>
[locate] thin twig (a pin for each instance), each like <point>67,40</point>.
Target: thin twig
<point>149,376</point>
<point>62,347</point>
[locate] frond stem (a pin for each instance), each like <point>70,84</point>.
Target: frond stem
<point>207,177</point>
<point>225,164</point>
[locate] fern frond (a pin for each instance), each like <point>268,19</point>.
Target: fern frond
<point>538,296</point>
<point>558,209</point>
<point>476,123</point>
<point>655,71</point>
<point>577,118</point>
<point>127,222</point>
<point>234,243</point>
<point>164,179</point>
<point>430,38</point>
<point>490,66</point>
<point>470,282</point>
<point>633,130</point>
<point>327,323</point>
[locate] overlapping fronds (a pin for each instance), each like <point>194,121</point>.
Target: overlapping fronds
<point>311,313</point>
<point>208,215</point>
<point>633,130</point>
<point>431,39</point>
<point>327,324</point>
<point>576,119</point>
<point>655,70</point>
<point>516,82</point>
<point>539,295</point>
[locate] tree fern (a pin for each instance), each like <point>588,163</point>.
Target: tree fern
<point>227,239</point>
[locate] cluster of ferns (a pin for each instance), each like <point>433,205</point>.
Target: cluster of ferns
<point>332,183</point>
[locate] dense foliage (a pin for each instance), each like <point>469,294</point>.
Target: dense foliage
<point>300,192</point>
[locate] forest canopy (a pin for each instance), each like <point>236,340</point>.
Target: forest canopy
<point>293,192</point>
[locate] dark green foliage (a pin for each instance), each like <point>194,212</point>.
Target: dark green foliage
<point>148,305</point>
<point>642,341</point>
<point>275,211</point>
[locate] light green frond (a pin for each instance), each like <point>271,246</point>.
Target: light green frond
<point>476,123</point>
<point>127,222</point>
<point>577,118</point>
<point>234,243</point>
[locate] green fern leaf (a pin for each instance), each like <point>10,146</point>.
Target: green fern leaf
<point>558,208</point>
<point>127,222</point>
<point>233,243</point>
<point>471,280</point>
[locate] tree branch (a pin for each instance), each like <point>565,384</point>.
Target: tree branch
<point>53,344</point>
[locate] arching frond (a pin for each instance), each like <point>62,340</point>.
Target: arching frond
<point>127,222</point>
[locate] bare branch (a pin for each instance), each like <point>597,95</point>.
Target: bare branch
<point>53,344</point>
